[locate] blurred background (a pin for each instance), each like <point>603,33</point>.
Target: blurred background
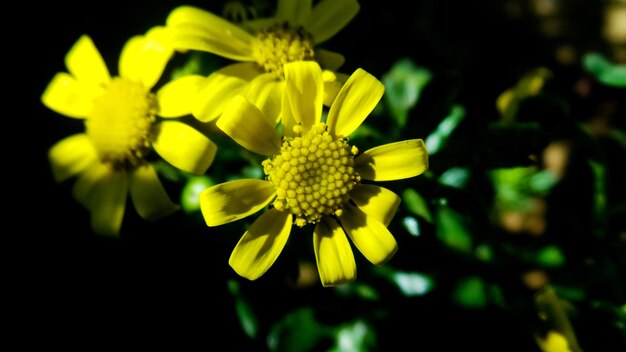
<point>514,240</point>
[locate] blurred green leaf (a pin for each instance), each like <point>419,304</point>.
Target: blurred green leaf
<point>357,289</point>
<point>244,311</point>
<point>416,204</point>
<point>515,187</point>
<point>471,293</point>
<point>484,252</point>
<point>451,228</point>
<point>354,337</point>
<point>613,75</point>
<point>456,177</point>
<point>297,331</point>
<point>403,86</point>
<point>412,283</point>
<point>439,137</point>
<point>411,225</point>
<point>190,195</point>
<point>550,256</point>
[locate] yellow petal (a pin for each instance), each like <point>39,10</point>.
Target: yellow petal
<point>191,28</point>
<point>234,200</point>
<point>304,91</point>
<point>393,161</point>
<point>148,195</point>
<point>184,147</point>
<point>333,254</point>
<point>329,60</point>
<point>332,85</point>
<point>219,89</point>
<point>71,156</point>
<point>286,116</point>
<point>356,99</point>
<point>329,16</point>
<point>266,93</point>
<point>143,59</point>
<point>259,247</point>
<point>85,63</point>
<point>65,95</point>
<point>103,191</point>
<point>177,96</point>
<point>293,12</point>
<point>375,201</point>
<point>246,125</point>
<point>369,235</point>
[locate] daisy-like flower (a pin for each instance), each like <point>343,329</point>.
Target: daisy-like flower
<point>313,176</point>
<point>122,126</point>
<point>260,48</point>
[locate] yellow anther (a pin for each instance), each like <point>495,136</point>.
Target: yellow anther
<point>312,184</point>
<point>119,123</point>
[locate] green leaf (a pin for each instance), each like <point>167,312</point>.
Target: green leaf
<point>471,293</point>
<point>412,283</point>
<point>297,331</point>
<point>403,86</point>
<point>190,195</point>
<point>439,137</point>
<point>451,228</point>
<point>550,256</point>
<point>416,204</point>
<point>354,337</point>
<point>456,177</point>
<point>613,75</point>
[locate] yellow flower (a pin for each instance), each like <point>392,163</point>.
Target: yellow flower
<point>122,127</point>
<point>261,47</point>
<point>313,176</point>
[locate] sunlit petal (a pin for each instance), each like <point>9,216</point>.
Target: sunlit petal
<point>375,201</point>
<point>191,28</point>
<point>293,12</point>
<point>219,89</point>
<point>356,99</point>
<point>261,245</point>
<point>393,161</point>
<point>305,91</point>
<point>71,155</point>
<point>247,125</point>
<point>65,95</point>
<point>148,195</point>
<point>329,60</point>
<point>333,254</point>
<point>234,200</point>
<point>266,93</point>
<point>143,59</point>
<point>184,147</point>
<point>85,63</point>
<point>177,97</point>
<point>329,16</point>
<point>103,191</point>
<point>369,235</point>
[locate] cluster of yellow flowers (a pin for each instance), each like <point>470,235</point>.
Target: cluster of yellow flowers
<point>280,81</point>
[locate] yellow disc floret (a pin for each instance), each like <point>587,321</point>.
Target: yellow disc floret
<point>313,175</point>
<point>120,121</point>
<point>280,44</point>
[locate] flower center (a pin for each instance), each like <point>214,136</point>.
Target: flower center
<point>313,175</point>
<point>120,121</point>
<point>280,44</point>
